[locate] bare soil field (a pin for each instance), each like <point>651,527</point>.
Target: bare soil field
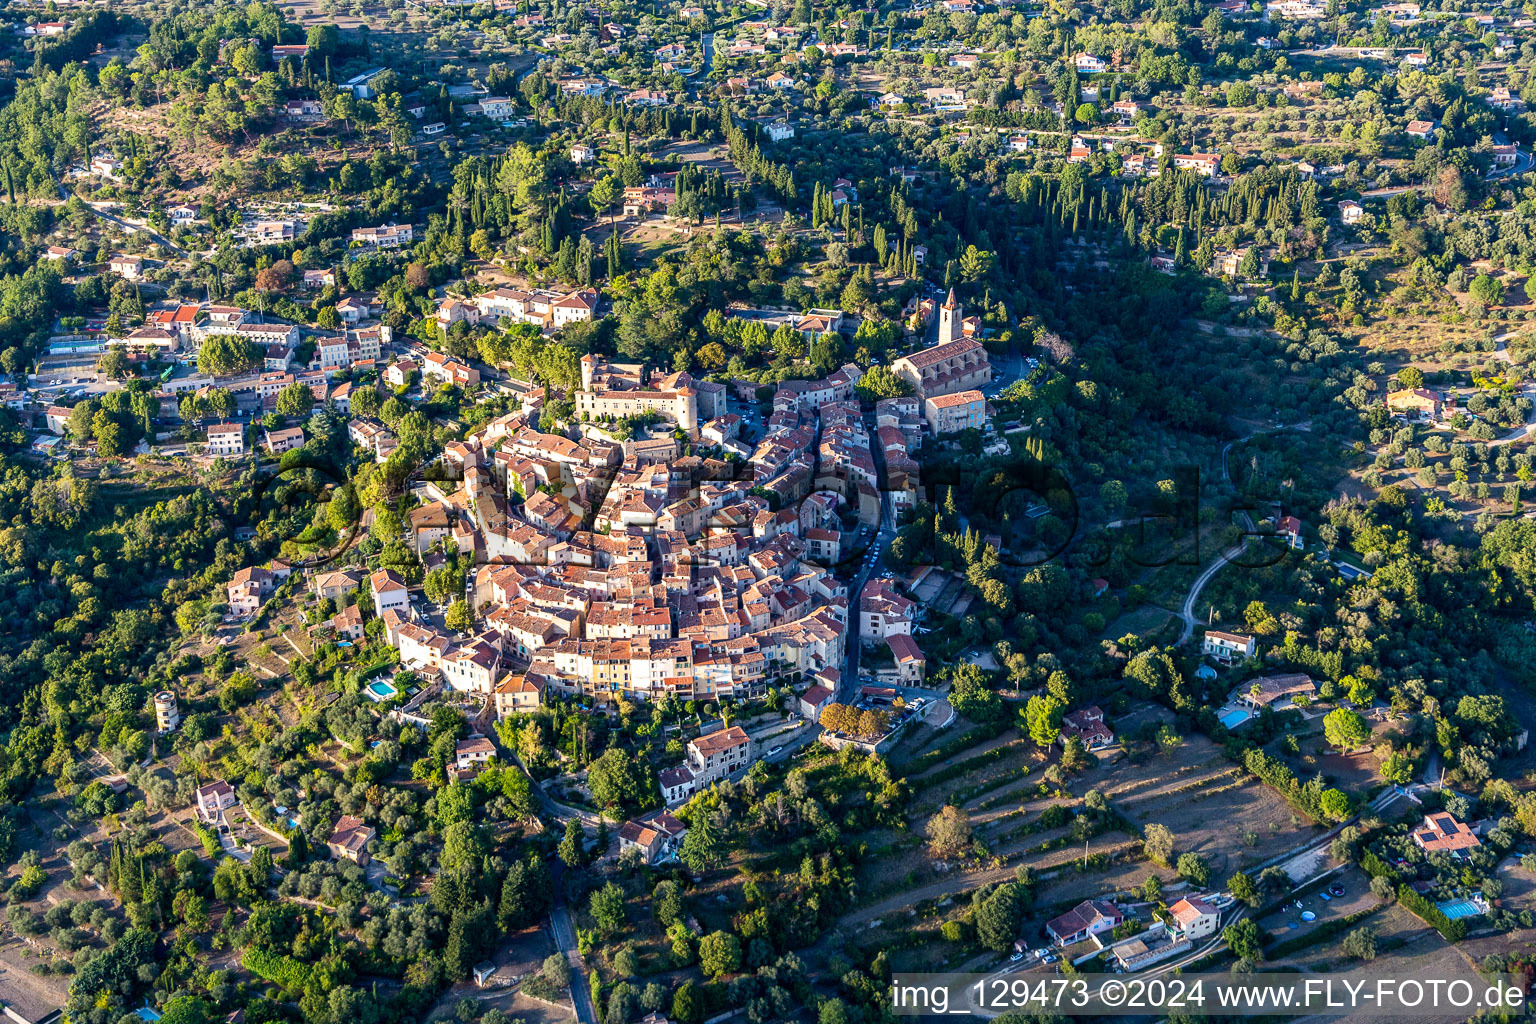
<point>34,996</point>
<point>1119,878</point>
<point>1213,809</point>
<point>705,157</point>
<point>1286,923</point>
<point>1519,886</point>
<point>1354,773</point>
<point>520,957</point>
<point>312,12</point>
<point>1419,953</point>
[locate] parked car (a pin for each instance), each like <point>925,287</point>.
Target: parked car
<point>775,750</point>
<point>1016,958</point>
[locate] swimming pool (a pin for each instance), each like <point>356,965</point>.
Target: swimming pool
<point>1454,909</point>
<point>380,690</point>
<point>1235,717</point>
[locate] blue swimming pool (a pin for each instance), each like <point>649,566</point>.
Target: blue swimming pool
<point>1235,717</point>
<point>1459,908</point>
<point>380,690</point>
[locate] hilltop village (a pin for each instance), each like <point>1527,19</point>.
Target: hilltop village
<point>531,512</point>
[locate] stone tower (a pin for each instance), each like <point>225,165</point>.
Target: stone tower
<point>167,714</point>
<point>949,320</point>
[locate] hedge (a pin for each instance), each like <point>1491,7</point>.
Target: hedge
<point>1452,931</point>
<point>1376,867</point>
<point>211,845</point>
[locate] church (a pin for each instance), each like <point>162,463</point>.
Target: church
<point>956,363</point>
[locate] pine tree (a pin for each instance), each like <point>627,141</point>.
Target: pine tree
<point>571,849</point>
<point>458,951</point>
<point>130,879</point>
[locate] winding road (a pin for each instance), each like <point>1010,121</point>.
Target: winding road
<point>1501,350</point>
<point>1187,613</point>
<point>132,229</point>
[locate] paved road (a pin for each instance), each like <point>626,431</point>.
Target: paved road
<point>1187,613</point>
<point>64,194</point>
<point>1012,369</point>
<point>1523,159</point>
<point>867,568</point>
<point>1527,390</point>
<point>564,931</point>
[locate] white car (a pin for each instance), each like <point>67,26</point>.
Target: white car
<point>1016,958</point>
<point>775,750</point>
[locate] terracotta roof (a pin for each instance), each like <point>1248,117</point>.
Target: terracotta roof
<point>904,648</point>
<point>1442,832</point>
<point>385,579</point>
<point>816,695</point>
<point>958,398</point>
<point>1190,909</point>
<point>938,353</point>
<point>351,833</point>
<point>475,745</point>
<point>725,739</point>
